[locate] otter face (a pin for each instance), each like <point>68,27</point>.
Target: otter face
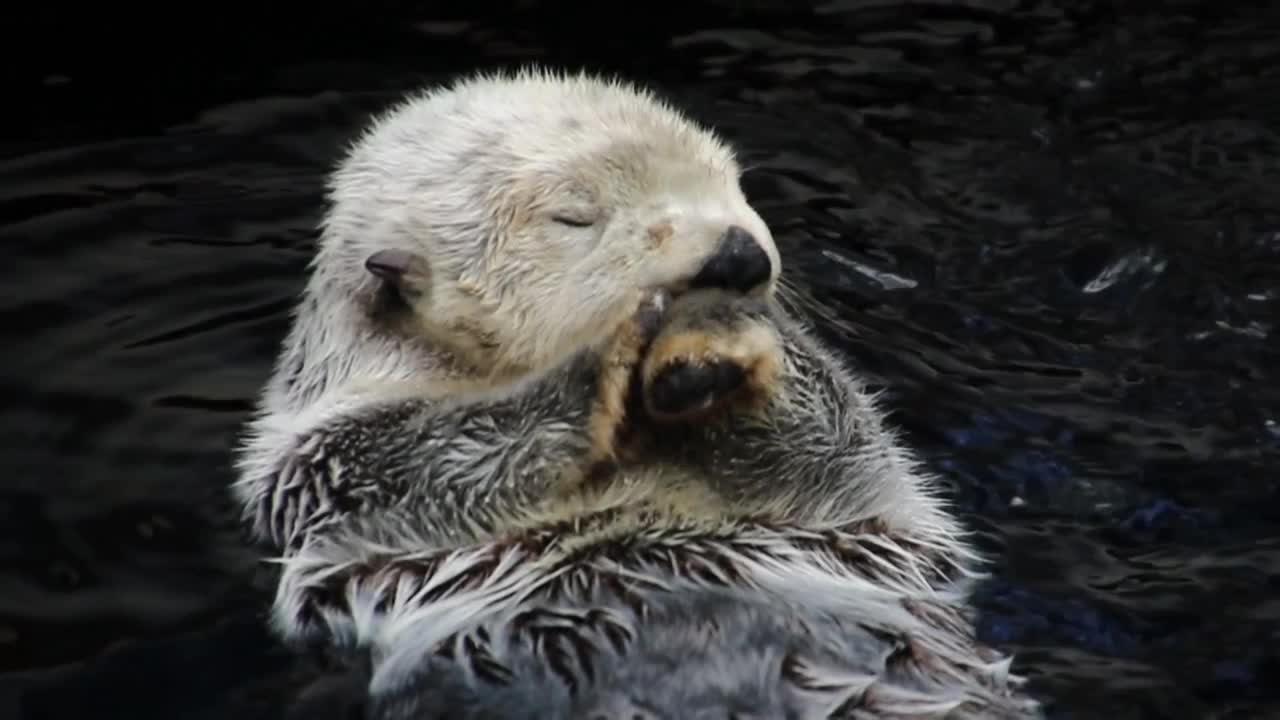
<point>522,218</point>
<point>607,225</point>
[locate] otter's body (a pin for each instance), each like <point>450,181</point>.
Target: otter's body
<point>543,442</point>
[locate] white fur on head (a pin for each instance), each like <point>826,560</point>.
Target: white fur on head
<point>475,177</point>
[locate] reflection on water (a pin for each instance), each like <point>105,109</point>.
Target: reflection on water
<point>1051,231</point>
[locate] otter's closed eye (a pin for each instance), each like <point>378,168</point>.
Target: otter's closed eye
<point>573,221</point>
<point>576,217</point>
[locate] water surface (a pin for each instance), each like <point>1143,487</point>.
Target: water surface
<point>1050,231</point>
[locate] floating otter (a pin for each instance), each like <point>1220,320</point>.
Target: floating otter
<point>544,443</point>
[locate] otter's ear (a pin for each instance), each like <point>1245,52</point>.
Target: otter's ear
<point>404,271</point>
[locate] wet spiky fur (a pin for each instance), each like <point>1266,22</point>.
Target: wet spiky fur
<point>475,501</point>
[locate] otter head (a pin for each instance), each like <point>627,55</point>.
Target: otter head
<point>521,218</point>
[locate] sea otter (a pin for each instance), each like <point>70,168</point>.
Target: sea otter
<point>544,443</point>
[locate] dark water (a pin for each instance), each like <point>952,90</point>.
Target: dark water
<point>1050,230</point>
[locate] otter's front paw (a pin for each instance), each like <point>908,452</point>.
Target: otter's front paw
<point>716,351</point>
<point>619,365</point>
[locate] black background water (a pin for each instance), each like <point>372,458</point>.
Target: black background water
<point>1050,230</point>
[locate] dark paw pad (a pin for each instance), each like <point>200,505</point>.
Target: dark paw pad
<point>684,389</point>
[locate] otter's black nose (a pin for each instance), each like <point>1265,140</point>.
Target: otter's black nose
<point>739,263</point>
